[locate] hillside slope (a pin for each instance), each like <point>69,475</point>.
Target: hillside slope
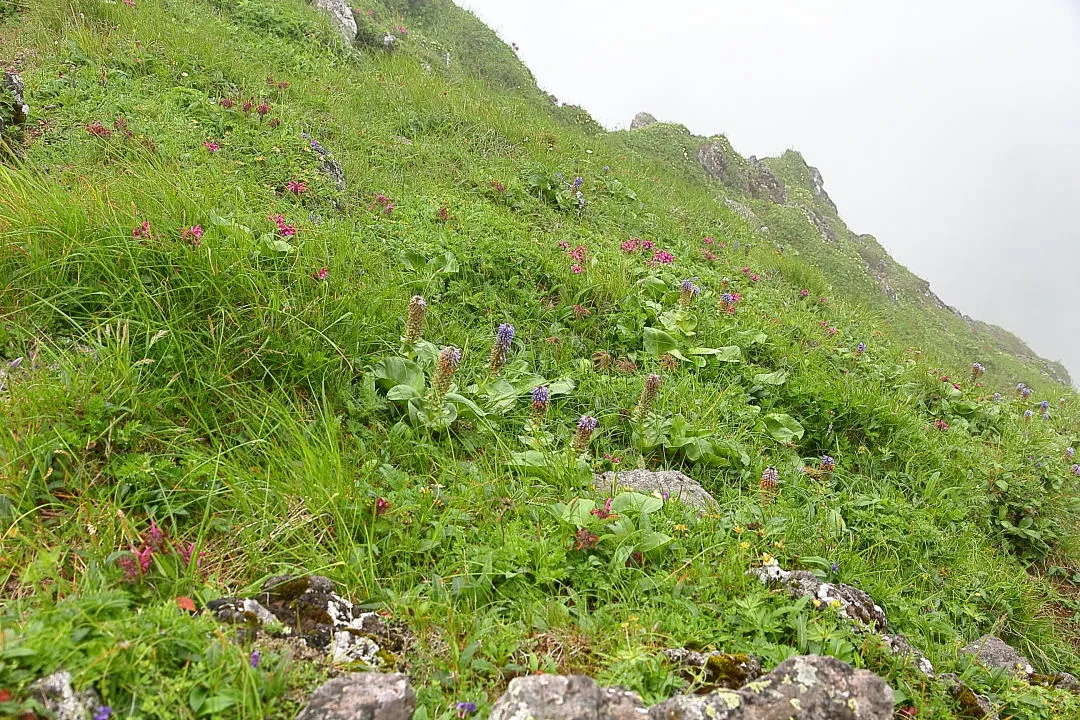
<point>379,311</point>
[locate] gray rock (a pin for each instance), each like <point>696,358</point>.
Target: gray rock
<point>671,484</point>
<point>58,697</point>
<point>642,119</point>
<point>331,168</point>
<point>362,696</point>
<point>855,603</point>
<point>817,186</point>
<point>993,652</point>
<point>716,669</point>
<point>744,212</point>
<point>341,16</point>
<point>764,184</point>
<point>1061,681</point>
<point>565,697</point>
<point>805,687</point>
<point>900,646</point>
<point>972,705</point>
<point>713,160</point>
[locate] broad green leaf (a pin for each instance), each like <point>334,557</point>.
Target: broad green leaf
<point>398,371</point>
<point>636,502</point>
<point>783,428</point>
<point>778,377</point>
<point>653,540</point>
<point>730,353</point>
<point>658,342</point>
<point>578,511</point>
<point>402,392</point>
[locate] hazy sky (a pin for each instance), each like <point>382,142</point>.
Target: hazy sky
<point>948,129</point>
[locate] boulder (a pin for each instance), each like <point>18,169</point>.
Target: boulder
<point>370,696</point>
<point>565,697</point>
<point>713,160</point>
<point>817,187</point>
<point>993,652</point>
<point>642,119</point>
<point>59,698</point>
<point>670,484</point>
<point>307,607</point>
<point>341,16</point>
<point>900,646</point>
<point>805,687</point>
<point>331,168</point>
<point>972,705</point>
<point>853,602</point>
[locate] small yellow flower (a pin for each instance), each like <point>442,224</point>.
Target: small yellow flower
<point>744,545</point>
<point>738,529</point>
<point>681,528</point>
<point>766,558</point>
<point>835,604</point>
<point>817,603</point>
<point>779,544</point>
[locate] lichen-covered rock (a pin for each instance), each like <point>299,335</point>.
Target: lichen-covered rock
<point>642,119</point>
<point>993,652</point>
<point>362,696</point>
<point>306,607</point>
<point>900,646</point>
<point>565,697</point>
<point>764,184</point>
<point>1060,681</point>
<point>971,704</point>
<point>341,16</point>
<point>670,484</point>
<point>805,687</point>
<point>13,94</point>
<point>716,669</point>
<point>817,187</point>
<point>58,697</point>
<point>713,160</point>
<point>331,168</point>
<point>853,602</point>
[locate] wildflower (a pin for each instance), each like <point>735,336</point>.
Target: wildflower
<point>585,540</point>
<point>263,109</point>
<point>465,709</point>
<point>105,712</point>
<point>581,311</point>
<point>381,505</point>
<point>823,300</point>
<point>503,337</point>
<point>1028,414</point>
<point>449,359</point>
<point>121,125</point>
<point>647,244</point>
<point>648,395</point>
<point>804,293</point>
<point>576,269</point>
<point>941,425</point>
<point>603,513</point>
<point>755,277</point>
<point>1044,405</point>
<point>687,292</point>
<point>211,146</point>
<point>1075,469</point>
<point>192,235</point>
<point>155,537</point>
<point>585,427</point>
<point>578,182</point>
<point>226,102</point>
<point>401,30</point>
<point>255,657</point>
<point>443,214</point>
<point>708,255</point>
<point>977,370</point>
<point>1069,453</point>
<point>541,400</point>
<point>321,273</point>
<point>414,320</point>
<point>835,568</point>
<point>142,231</point>
<point>296,187</point>
<point>129,566</point>
<point>98,130</point>
<point>629,246</point>
<point>828,464</point>
<point>246,106</point>
<point>663,257</point>
<point>579,253</point>
<point>831,331</point>
<point>770,481</point>
<point>187,553</point>
<point>707,240</point>
<point>728,301</point>
<point>283,227</point>
<point>997,397</point>
<point>274,122</point>
<point>860,348</point>
<point>498,187</point>
<point>144,556</point>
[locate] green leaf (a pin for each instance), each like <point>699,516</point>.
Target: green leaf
<point>730,353</point>
<point>578,511</point>
<point>402,392</point>
<point>783,428</point>
<point>398,371</point>
<point>774,378</point>
<point>636,502</point>
<point>658,342</point>
<point>562,386</point>
<point>653,540</point>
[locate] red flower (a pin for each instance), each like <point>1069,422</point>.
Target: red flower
<point>98,130</point>
<point>663,257</point>
<point>321,273</point>
<point>142,231</point>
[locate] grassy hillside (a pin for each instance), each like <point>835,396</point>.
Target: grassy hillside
<point>209,380</point>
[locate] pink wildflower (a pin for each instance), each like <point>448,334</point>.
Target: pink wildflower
<point>629,246</point>
<point>144,556</point>
<point>663,257</point>
<point>155,537</point>
<point>579,253</point>
<point>192,235</point>
<point>941,425</point>
<point>832,331</point>
<point>576,269</point>
<point>381,506</point>
<point>187,553</point>
<point>647,244</point>
<point>755,278</point>
<point>263,109</point>
<point>321,273</point>
<point>142,231</point>
<point>226,102</point>
<point>211,146</point>
<point>707,241</point>
<point>284,228</point>
<point>603,513</point>
<point>246,106</point>
<point>297,187</point>
<point>804,293</point>
<point>98,130</point>
<point>708,255</point>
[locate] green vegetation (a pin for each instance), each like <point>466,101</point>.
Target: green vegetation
<point>249,389</point>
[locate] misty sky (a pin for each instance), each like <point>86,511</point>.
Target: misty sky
<point>948,129</point>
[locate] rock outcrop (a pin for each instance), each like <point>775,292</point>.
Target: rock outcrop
<point>307,608</point>
<point>370,696</point>
<point>994,653</point>
<point>669,484</point>
<point>817,187</point>
<point>14,112</point>
<point>341,16</point>
<point>716,669</point>
<point>805,687</point>
<point>59,698</point>
<point>765,184</point>
<point>850,600</point>
<point>642,119</point>
<point>565,697</point>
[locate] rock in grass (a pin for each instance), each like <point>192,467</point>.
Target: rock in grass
<point>993,652</point>
<point>341,16</point>
<point>805,687</point>
<point>642,119</point>
<point>671,484</point>
<point>369,696</point>
<point>716,669</point>
<point>565,697</point>
<point>972,705</point>
<point>58,697</point>
<point>854,603</point>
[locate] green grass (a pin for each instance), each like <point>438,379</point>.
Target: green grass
<point>226,394</point>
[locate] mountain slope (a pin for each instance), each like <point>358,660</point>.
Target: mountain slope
<point>212,231</point>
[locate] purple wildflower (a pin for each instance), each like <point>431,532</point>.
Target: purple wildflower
<point>414,320</point>
<point>578,182</point>
<point>1044,405</point>
<point>976,370</point>
<point>255,657</point>
<point>687,292</point>
<point>585,427</point>
<point>541,399</point>
<point>860,348</point>
<point>503,337</point>
<point>465,709</point>
<point>103,713</point>
<point>997,397</point>
<point>1028,414</point>
<point>1075,470</point>
<point>449,359</point>
<point>1069,453</point>
<point>828,464</point>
